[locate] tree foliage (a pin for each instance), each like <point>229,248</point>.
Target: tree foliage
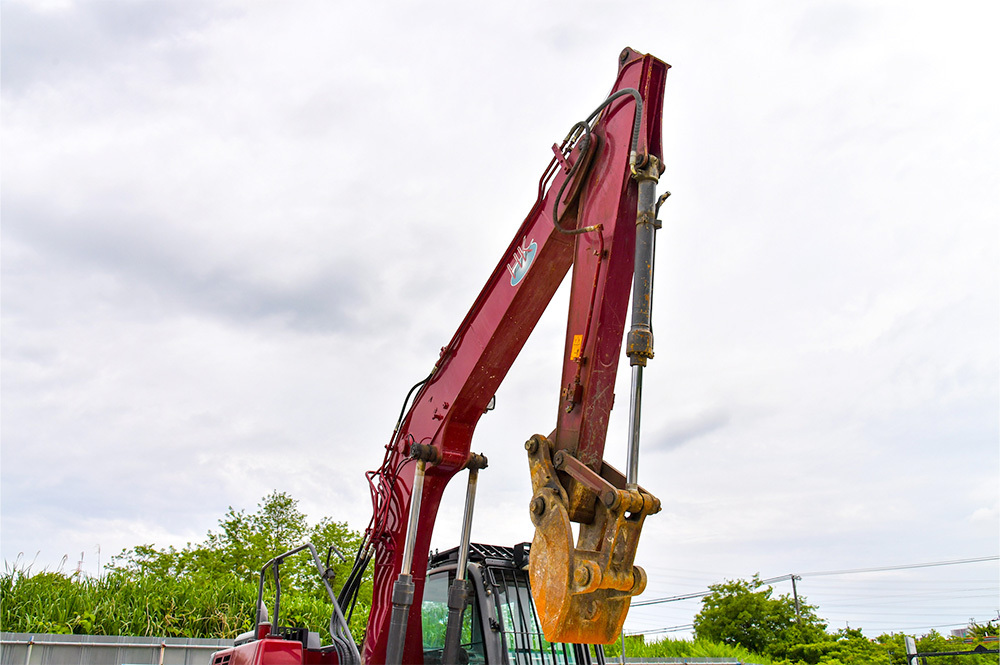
<point>201,590</point>
<point>744,613</point>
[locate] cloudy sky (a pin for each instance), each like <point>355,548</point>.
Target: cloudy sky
<point>234,234</point>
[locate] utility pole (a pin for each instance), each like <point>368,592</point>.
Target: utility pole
<point>795,595</point>
<point>622,658</point>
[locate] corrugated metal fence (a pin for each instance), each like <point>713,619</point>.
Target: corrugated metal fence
<point>26,649</point>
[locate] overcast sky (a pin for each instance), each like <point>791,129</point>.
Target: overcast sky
<point>234,234</point>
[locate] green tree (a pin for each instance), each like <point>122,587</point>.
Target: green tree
<point>242,545</point>
<point>936,642</point>
<point>245,542</point>
<point>743,612</point>
<point>846,647</point>
<point>329,532</point>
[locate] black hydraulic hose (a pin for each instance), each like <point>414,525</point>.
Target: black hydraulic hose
<point>637,124</point>
<point>577,128</point>
<point>349,592</point>
<point>348,595</point>
<point>585,125</point>
<point>402,412</point>
<point>357,588</point>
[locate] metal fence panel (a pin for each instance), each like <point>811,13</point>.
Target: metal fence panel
<point>38,649</point>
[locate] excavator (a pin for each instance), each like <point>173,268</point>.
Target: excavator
<point>558,598</point>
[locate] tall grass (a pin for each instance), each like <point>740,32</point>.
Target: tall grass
<point>637,647</point>
<point>126,603</point>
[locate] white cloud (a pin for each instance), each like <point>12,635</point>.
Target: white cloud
<point>233,237</point>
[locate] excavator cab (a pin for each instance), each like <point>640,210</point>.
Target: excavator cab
<point>499,626</point>
<point>500,623</point>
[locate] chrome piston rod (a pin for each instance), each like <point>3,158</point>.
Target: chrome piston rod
<point>634,417</point>
<point>459,590</point>
<point>402,589</point>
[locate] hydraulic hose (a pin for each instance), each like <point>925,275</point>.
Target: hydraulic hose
<point>587,128</point>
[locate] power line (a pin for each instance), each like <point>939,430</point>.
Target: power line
<point>654,601</point>
<point>668,629</point>
<point>851,571</point>
<point>932,564</point>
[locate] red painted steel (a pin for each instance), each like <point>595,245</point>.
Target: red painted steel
<point>471,367</point>
<point>270,650</point>
<point>599,314</point>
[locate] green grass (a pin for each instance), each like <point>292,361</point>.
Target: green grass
<point>121,603</point>
<point>637,647</point>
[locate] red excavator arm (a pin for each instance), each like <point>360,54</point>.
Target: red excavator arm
<point>585,217</point>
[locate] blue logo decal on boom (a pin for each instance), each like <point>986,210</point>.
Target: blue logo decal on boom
<point>524,255</point>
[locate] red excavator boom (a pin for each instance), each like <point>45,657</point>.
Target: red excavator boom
<point>595,177</point>
<point>595,212</point>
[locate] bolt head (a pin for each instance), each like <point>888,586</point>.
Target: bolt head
<point>559,459</point>
<point>538,505</point>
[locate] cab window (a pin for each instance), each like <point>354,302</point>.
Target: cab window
<point>521,630</point>
<point>434,618</point>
